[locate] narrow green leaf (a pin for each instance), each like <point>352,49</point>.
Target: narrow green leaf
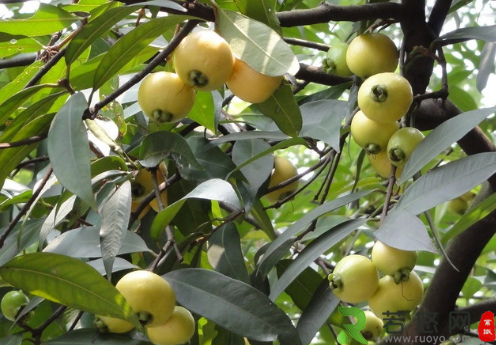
<point>14,102</point>
<point>158,145</point>
<point>56,216</point>
<point>262,10</point>
<point>86,336</point>
<point>22,236</point>
<point>486,65</point>
<point>282,108</point>
<point>19,82</point>
<point>304,221</point>
<point>484,33</point>
<point>312,251</point>
<point>214,189</point>
<point>472,216</point>
<point>162,3</point>
<point>84,242</point>
<point>256,317</point>
<point>12,340</point>
<point>67,281</point>
<point>19,46</point>
<point>94,30</point>
<point>447,182</point>
<point>225,255</point>
<point>131,44</point>
<point>442,137</point>
<point>263,219</point>
<point>115,218</point>
<point>256,44</point>
<point>68,149</point>
<point>204,110</point>
<point>405,231</point>
<point>47,19</point>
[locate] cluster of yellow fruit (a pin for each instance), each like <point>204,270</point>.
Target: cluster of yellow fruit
<point>203,61</point>
<point>154,302</point>
<point>383,98</point>
<point>355,279</point>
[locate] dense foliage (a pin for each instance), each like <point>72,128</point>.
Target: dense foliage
<point>74,141</point>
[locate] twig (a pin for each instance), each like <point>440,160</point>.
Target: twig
<point>27,141</point>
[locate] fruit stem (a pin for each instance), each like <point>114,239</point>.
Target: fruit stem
<point>379,93</point>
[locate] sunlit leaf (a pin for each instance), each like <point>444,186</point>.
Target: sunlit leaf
<point>67,281</point>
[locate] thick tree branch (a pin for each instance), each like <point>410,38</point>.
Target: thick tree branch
<point>438,15</point>
<point>317,75</point>
<point>325,13</point>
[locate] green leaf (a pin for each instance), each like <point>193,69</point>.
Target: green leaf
<point>262,10</point>
<point>472,216</point>
<point>471,287</point>
<point>442,137</point>
<point>256,44</point>
<point>19,46</point>
<point>12,340</point>
<point>15,101</point>
<point>322,121</point>
<point>19,82</point>
<point>68,149</point>
<point>204,111</point>
<point>225,255</point>
<point>91,336</point>
<point>214,189</point>
<point>486,65</point>
<point>405,231</point>
<point>158,145</point>
<point>84,242</point>
<point>447,182</point>
<point>236,306</point>
<point>21,237</point>
<point>67,281</point>
<point>94,30</point>
<point>115,219</point>
<point>282,108</point>
<point>47,19</point>
<point>130,45</point>
<point>484,33</point>
<point>313,251</point>
<point>303,223</point>
<point>462,99</point>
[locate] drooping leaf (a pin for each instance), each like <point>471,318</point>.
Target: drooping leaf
<point>312,251</point>
<point>68,149</point>
<point>405,231</point>
<point>256,317</point>
<point>22,236</point>
<point>94,30</point>
<point>484,33</point>
<point>56,216</point>
<point>115,218</point>
<point>282,108</point>
<point>84,242</point>
<point>14,102</point>
<point>129,45</point>
<point>67,281</point>
<point>47,20</point>
<point>225,255</point>
<point>303,222</point>
<point>486,65</point>
<point>256,44</point>
<point>214,189</point>
<point>447,182</point>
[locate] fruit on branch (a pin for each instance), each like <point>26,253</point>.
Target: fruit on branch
<point>250,85</point>
<point>461,204</point>
<point>204,60</point>
<point>335,61</point>
<point>179,329</point>
<point>393,262</point>
<point>370,135</point>
<point>354,279</point>
<point>373,326</point>
<point>150,296</point>
<point>385,97</point>
<point>142,185</point>
<point>12,302</point>
<point>106,324</point>
<point>402,144</point>
<point>164,97</point>
<point>283,171</point>
<point>391,297</point>
<point>372,53</point>
<point>382,165</point>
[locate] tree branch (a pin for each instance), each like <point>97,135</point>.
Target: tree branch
<point>317,75</point>
<point>438,15</point>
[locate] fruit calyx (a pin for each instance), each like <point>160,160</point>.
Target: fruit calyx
<point>396,155</point>
<point>144,317</point>
<point>162,116</point>
<point>335,282</point>
<point>403,275</point>
<point>197,78</point>
<point>379,93</point>
<point>372,149</point>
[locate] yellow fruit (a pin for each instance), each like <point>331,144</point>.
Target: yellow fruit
<point>134,207</point>
<point>179,329</point>
<point>370,54</point>
<point>402,143</point>
<point>373,326</point>
<point>283,170</point>
<point>371,135</point>
<point>382,165</point>
<point>250,85</point>
<point>204,60</point>
<point>164,97</point>
<point>385,97</point>
<point>458,206</point>
<point>150,296</point>
<point>335,61</point>
<point>106,324</point>
<point>142,185</point>
<point>393,262</point>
